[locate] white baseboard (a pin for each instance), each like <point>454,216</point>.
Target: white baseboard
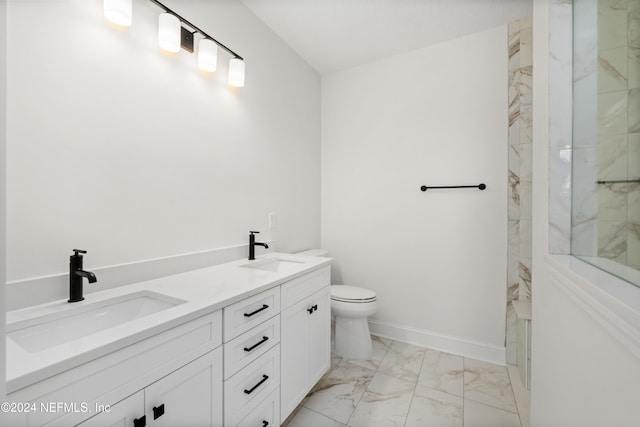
<point>440,342</point>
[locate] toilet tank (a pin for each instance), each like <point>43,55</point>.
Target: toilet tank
<point>315,252</point>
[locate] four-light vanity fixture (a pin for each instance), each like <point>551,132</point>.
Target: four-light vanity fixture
<point>172,36</point>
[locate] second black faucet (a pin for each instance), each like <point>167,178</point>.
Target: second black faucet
<point>253,244</point>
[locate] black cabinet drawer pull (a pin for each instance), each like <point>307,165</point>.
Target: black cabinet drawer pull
<point>312,308</point>
<point>265,423</point>
<point>264,307</point>
<point>262,341</point>
<point>140,422</point>
<point>264,378</point>
<point>158,411</point>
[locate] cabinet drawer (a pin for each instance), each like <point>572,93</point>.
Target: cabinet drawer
<point>250,312</point>
<point>251,385</point>
<point>266,414</point>
<point>297,289</point>
<point>246,348</point>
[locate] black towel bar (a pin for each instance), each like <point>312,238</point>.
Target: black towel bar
<point>618,181</point>
<point>479,186</point>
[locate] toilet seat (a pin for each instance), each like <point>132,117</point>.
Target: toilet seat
<point>352,294</point>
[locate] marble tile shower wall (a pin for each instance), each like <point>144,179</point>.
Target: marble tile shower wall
<point>520,173</point>
<point>606,131</point>
<point>560,122</point>
<point>618,145</point>
<point>584,230</point>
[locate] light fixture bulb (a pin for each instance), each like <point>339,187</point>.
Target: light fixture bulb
<point>118,11</point>
<point>236,72</point>
<point>169,32</point>
<point>207,55</point>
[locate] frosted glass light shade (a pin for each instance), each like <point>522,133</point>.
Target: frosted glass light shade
<point>118,11</point>
<point>169,32</point>
<point>207,55</point>
<point>236,72</point>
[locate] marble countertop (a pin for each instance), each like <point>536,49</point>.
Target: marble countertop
<point>204,291</point>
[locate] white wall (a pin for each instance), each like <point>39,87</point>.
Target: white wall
<point>3,114</point>
<point>581,375</point>
<point>437,260</point>
<point>132,154</point>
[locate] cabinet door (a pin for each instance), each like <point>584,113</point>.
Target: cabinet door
<point>190,396</point>
<point>318,337</point>
<point>305,344</point>
<point>121,414</point>
<point>293,338</point>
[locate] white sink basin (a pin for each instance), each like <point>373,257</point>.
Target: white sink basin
<point>278,264</point>
<point>53,329</point>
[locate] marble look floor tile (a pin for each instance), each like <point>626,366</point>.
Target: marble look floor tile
<point>335,361</point>
<point>385,403</point>
<point>441,389</point>
<point>521,394</point>
<point>380,347</point>
<point>337,394</point>
<point>383,384</point>
<point>442,371</point>
<point>488,384</point>
<point>307,418</point>
<point>435,408</point>
<point>403,361</point>
<point>479,415</point>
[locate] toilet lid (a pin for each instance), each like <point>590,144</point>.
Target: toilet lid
<point>352,294</point>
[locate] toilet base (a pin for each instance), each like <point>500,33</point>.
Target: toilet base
<point>353,339</point>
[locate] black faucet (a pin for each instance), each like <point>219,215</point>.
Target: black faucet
<point>76,273</point>
<point>253,244</point>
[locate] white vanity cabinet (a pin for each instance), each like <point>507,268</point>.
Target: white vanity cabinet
<point>124,413</point>
<point>252,360</point>
<point>306,336</point>
<point>249,362</point>
<point>180,367</point>
<point>190,396</point>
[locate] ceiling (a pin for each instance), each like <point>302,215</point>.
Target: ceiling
<point>333,35</point>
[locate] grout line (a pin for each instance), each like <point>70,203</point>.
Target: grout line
<point>464,371</point>
<point>494,407</point>
<point>516,412</point>
<point>513,395</point>
<point>323,415</point>
<point>518,402</point>
<point>415,386</point>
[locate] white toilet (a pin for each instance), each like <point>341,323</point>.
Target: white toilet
<point>351,306</point>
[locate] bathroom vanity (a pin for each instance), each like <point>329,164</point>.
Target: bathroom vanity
<point>237,344</point>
